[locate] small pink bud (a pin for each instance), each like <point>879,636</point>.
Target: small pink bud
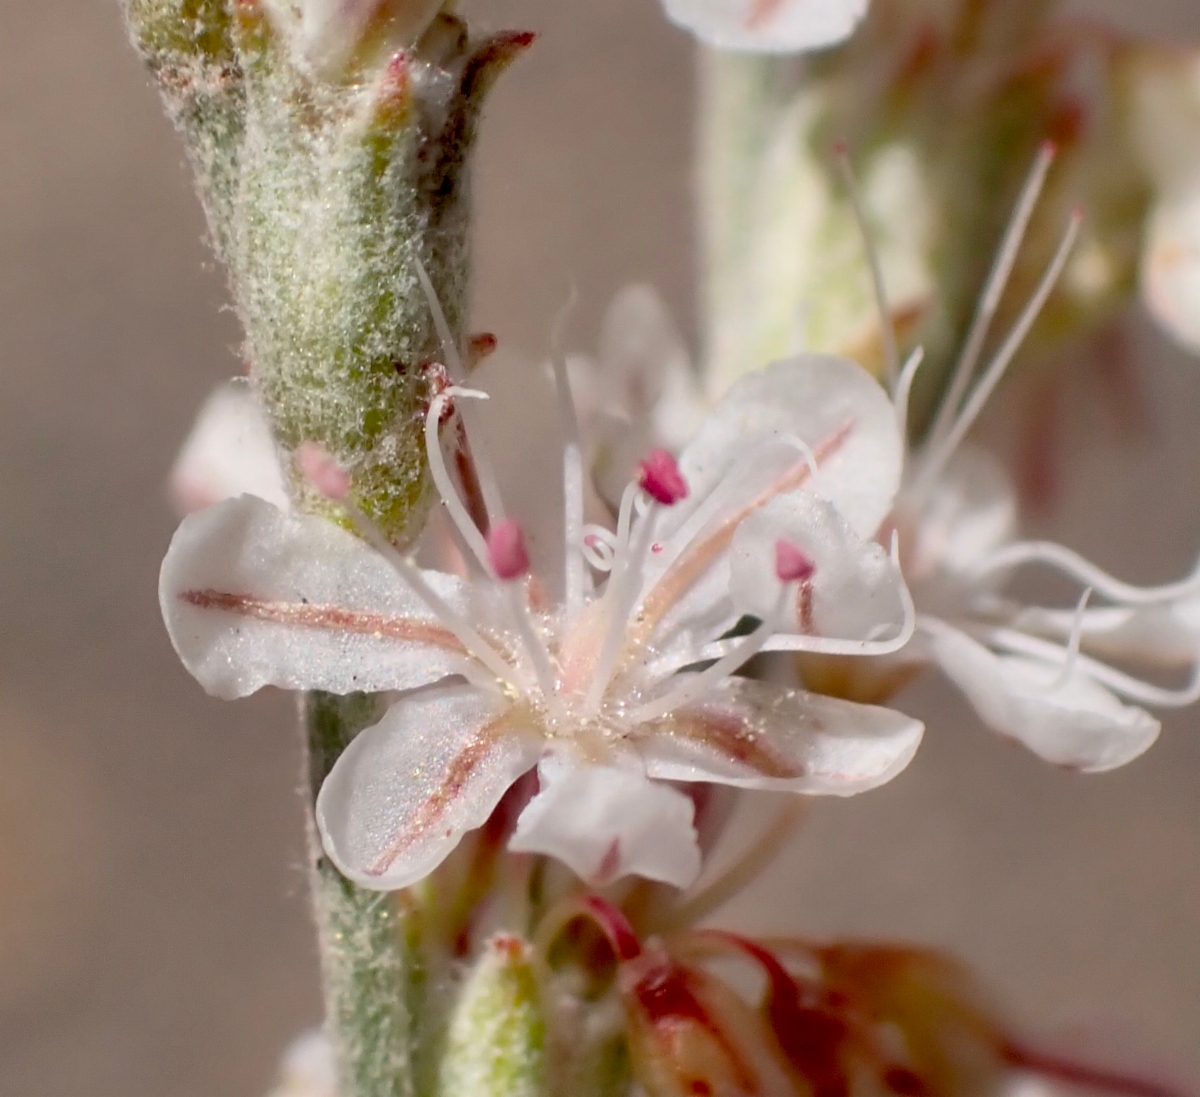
<point>322,471</point>
<point>660,478</point>
<point>506,550</point>
<point>792,563</point>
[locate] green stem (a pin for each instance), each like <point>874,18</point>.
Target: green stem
<point>326,194</point>
<point>369,961</point>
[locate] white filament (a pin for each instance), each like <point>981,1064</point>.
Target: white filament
<point>619,598</point>
<point>1019,643</point>
<point>458,374</point>
<point>887,332</point>
<point>574,566</point>
<point>441,475</point>
<point>599,547</point>
<point>940,451</point>
<point>681,540</point>
<point>1075,566</point>
<point>902,394</point>
<point>1073,642</point>
<point>535,647</point>
<point>696,685</point>
<point>993,291</point>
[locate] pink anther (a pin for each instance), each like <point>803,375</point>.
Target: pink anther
<point>660,478</point>
<point>792,563</point>
<point>506,550</point>
<point>319,468</point>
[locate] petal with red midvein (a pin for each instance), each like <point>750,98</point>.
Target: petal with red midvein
<point>757,735</point>
<point>748,453</point>
<point>253,597</point>
<point>406,790</point>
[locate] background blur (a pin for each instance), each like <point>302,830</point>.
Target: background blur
<point>154,939</point>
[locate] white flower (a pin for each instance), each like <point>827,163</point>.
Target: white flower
<point>1166,101</point>
<point>611,690</point>
<point>768,26</point>
<point>1030,672</point>
<point>229,452</point>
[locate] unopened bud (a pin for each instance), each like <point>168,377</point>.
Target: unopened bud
<point>496,1042</point>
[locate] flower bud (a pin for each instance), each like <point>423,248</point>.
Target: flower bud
<point>691,1034</point>
<point>496,1043</point>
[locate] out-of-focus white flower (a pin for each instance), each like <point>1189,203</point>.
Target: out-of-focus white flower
<point>229,452</point>
<point>325,34</point>
<point>613,689</point>
<point>1166,114</point>
<point>1030,672</point>
<point>768,26</point>
<point>308,1069</point>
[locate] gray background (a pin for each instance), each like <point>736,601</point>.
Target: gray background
<point>153,929</point>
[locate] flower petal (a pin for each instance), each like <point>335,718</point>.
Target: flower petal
<point>253,597</point>
<point>606,822</point>
<point>833,406</point>
<point>754,734</point>
<point>746,455</point>
<point>407,789</point>
<point>1163,635</point>
<point>229,452</point>
<point>1075,723</point>
<point>768,26</point>
<point>856,591</point>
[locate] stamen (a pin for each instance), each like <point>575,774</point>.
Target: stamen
<point>629,500</point>
<point>1073,644</point>
<point>887,331</point>
<point>941,451</point>
<point>660,478</point>
<point>518,608</point>
<point>441,475</point>
<point>319,468</point>
<point>599,547</point>
<point>792,563</point>
<point>1072,564</point>
<point>506,550</point>
<point>509,559</point>
<point>993,290</point>
<point>903,392</point>
<point>458,374</point>
<point>696,685</point>
<point>1019,643</point>
<point>824,645</point>
<point>619,598</point>
<point>730,482</point>
<point>575,575</point>
<point>454,362</point>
